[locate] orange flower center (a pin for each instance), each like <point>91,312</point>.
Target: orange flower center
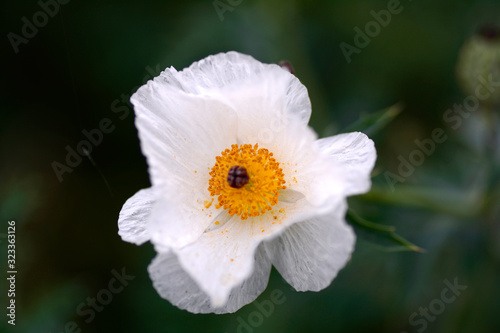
<point>246,180</point>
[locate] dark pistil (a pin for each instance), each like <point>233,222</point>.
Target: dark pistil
<point>237,176</point>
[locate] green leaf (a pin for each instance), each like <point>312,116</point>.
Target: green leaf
<point>381,236</point>
<point>372,123</point>
<point>454,202</point>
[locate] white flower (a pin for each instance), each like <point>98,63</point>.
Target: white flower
<point>283,204</point>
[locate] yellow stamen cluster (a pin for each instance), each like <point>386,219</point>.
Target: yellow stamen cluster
<point>262,190</point>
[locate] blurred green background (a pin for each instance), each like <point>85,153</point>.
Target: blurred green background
<point>83,65</point>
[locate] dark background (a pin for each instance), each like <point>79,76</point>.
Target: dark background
<point>85,62</point>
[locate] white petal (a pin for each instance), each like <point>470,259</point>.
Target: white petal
<point>356,155</point>
<point>134,217</point>
<point>306,169</point>
<point>219,221</point>
<point>175,285</point>
<point>266,102</point>
<point>309,254</point>
<point>254,88</point>
<point>180,219</point>
<point>180,135</point>
<point>222,259</point>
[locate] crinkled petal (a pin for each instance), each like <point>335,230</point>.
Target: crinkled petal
<point>178,220</point>
<point>254,89</point>
<point>264,104</point>
<point>223,258</point>
<point>306,169</point>
<point>355,153</point>
<point>134,217</point>
<point>180,136</point>
<point>181,133</point>
<point>175,285</point>
<point>309,254</point>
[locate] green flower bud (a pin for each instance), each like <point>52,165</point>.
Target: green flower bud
<point>478,67</point>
